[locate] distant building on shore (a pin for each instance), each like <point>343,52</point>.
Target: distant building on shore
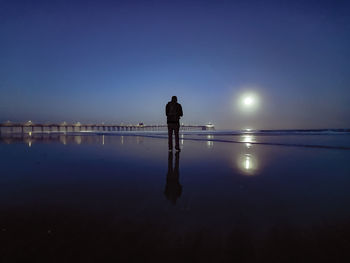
<point>209,126</point>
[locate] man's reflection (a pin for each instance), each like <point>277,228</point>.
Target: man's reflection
<point>173,188</point>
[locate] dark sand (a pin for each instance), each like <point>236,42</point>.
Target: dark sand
<point>115,199</point>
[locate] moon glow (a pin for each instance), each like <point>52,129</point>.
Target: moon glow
<point>248,101</point>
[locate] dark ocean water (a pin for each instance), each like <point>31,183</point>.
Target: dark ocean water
<point>226,197</point>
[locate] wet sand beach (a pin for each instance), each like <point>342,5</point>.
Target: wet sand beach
<point>98,198</point>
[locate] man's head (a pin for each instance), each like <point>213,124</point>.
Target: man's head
<point>173,99</point>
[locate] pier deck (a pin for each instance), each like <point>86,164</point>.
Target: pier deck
<point>30,127</point>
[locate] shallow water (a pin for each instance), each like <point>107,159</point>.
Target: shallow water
<point>92,196</point>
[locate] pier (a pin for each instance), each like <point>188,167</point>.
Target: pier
<point>30,127</point>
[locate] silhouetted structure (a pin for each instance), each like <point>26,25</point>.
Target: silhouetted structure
<point>173,111</point>
<point>30,127</point>
<point>173,188</point>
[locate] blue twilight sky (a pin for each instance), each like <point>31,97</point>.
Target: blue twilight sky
<point>121,61</point>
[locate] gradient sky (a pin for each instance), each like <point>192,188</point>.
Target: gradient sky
<point>121,61</point>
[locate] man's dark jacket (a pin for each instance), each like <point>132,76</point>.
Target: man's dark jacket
<point>173,111</point>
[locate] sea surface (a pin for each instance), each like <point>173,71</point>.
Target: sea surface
<point>228,196</point>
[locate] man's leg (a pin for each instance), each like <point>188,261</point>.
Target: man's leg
<point>170,137</point>
<point>177,144</point>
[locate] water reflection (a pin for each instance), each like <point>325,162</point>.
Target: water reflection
<point>139,140</point>
<point>248,139</point>
<point>63,139</point>
<point>173,188</point>
<point>210,143</point>
<point>247,161</point>
<point>248,164</point>
<point>182,139</point>
<point>77,139</point>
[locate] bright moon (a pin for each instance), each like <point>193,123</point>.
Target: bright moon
<point>248,101</point>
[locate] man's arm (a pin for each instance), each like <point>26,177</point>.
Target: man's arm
<point>180,111</point>
<point>166,109</point>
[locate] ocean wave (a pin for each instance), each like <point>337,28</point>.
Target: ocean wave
<point>206,139</point>
<point>273,132</point>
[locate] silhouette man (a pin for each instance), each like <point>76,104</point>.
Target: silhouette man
<point>173,188</point>
<point>173,111</point>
